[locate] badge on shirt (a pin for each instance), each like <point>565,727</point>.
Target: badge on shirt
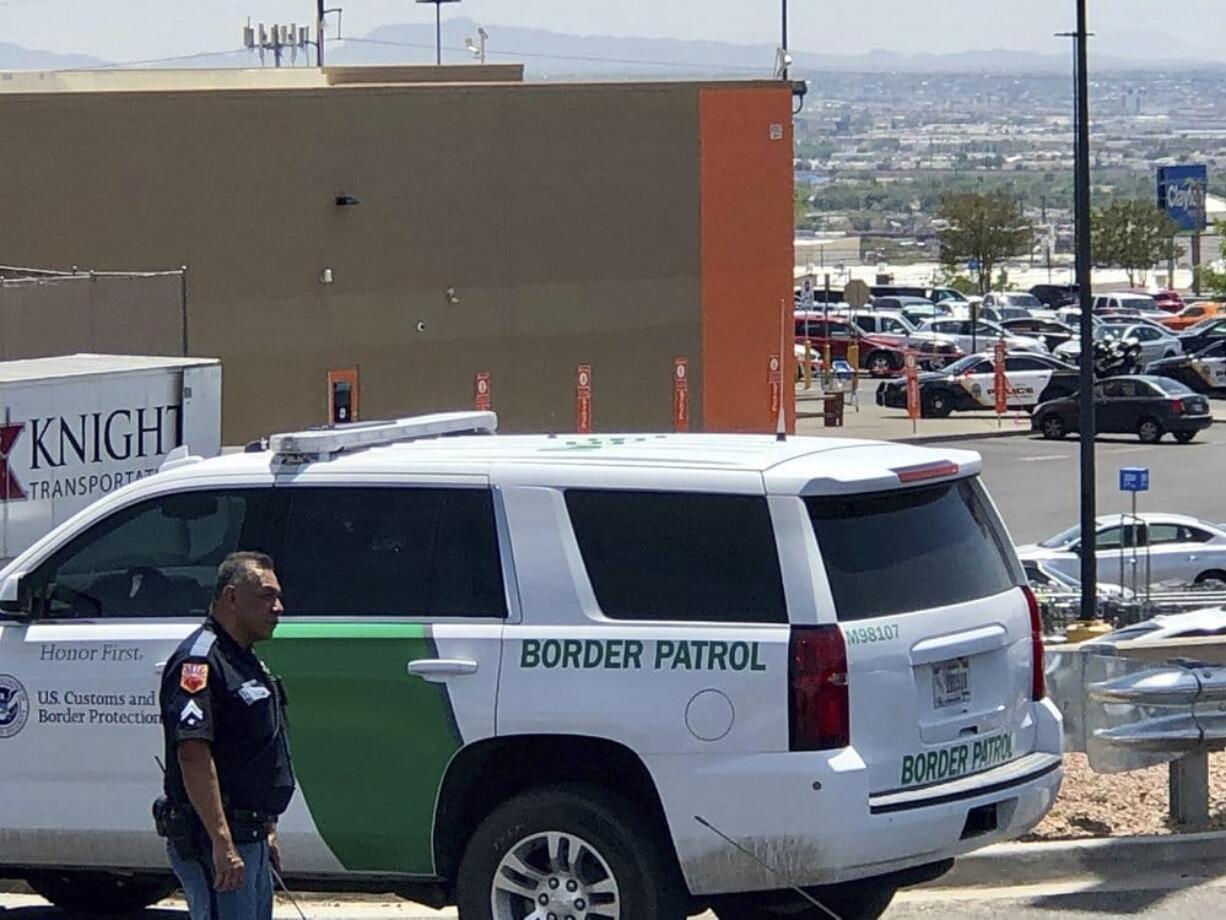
<point>253,691</point>
<point>193,677</point>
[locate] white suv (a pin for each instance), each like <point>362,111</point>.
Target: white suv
<point>610,678</point>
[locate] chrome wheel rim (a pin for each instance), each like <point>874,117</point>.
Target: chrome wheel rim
<point>554,876</point>
<point>1149,431</point>
<point>1053,427</point>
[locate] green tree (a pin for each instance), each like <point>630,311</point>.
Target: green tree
<point>1133,235</point>
<point>983,228</point>
<point>1211,280</point>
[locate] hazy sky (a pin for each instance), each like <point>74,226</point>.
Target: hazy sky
<point>138,29</point>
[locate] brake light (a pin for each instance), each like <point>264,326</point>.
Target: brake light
<point>925,471</point>
<point>1038,685</point>
<point>1177,405</point>
<point>819,712</point>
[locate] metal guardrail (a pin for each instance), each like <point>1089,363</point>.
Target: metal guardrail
<point>1126,714</point>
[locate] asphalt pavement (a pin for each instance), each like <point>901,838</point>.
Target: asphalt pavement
<point>1036,483</point>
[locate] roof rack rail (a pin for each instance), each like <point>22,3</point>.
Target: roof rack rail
<point>320,443</point>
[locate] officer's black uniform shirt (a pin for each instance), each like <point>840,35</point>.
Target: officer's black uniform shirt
<point>215,690</point>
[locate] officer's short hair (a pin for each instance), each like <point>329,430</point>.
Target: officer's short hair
<point>241,569</point>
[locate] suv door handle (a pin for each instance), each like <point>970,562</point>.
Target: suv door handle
<point>437,670</point>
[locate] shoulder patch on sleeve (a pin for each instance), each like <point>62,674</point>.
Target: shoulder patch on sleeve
<point>202,645</point>
<point>193,676</point>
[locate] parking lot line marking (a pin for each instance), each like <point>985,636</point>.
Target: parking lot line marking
<point>1043,457</point>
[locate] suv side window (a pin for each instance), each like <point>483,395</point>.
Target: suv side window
<point>158,557</point>
<point>679,555</point>
<point>419,552</point>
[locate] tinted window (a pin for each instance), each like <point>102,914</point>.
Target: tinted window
<point>391,552</point>
<point>1119,389</point>
<point>156,558</point>
<point>1025,364</point>
<point>679,556</point>
<point>1115,537</point>
<point>881,550</point>
<point>1166,386</point>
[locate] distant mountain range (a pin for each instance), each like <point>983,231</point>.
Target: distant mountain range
<point>554,55</point>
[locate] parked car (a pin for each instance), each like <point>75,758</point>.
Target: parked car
<point>969,385</point>
<point>1206,332</point>
<point>538,653</point>
<point>881,357</point>
<point>1192,314</point>
<point>1155,342</point>
<point>1146,406</point>
<point>1126,302</point>
<point>917,312</point>
<point>1025,301</point>
<point>1181,548</point>
<point>1204,372</point>
<point>1168,300</point>
<point>1053,334</point>
<point>815,362</point>
<point>1055,296</point>
<point>985,335</point>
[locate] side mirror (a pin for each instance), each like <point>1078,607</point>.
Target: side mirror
<point>14,596</point>
<point>1075,549</point>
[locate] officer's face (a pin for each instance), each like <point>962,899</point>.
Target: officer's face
<point>256,605</point>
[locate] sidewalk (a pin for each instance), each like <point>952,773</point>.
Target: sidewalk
<point>875,422</point>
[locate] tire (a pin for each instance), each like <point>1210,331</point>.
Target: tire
<point>850,901</point>
<point>616,842</point>
<point>879,364</point>
<point>936,404</point>
<point>1211,575</point>
<point>937,362</point>
<point>98,893</point>
<point>1185,437</point>
<point>1052,427</point>
<point>1149,430</point>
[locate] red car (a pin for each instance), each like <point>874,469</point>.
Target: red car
<point>880,355</point>
<point>1169,301</point>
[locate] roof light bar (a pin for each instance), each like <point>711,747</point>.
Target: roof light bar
<point>938,470</point>
<point>324,442</point>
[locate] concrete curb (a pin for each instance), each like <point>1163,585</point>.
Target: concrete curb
<point>1008,865</point>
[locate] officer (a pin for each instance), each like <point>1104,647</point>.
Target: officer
<point>228,772</point>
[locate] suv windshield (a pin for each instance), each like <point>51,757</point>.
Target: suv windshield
<point>881,549</point>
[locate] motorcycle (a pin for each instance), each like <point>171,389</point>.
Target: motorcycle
<point>1113,357</point>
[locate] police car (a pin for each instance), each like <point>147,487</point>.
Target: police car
<point>613,677</point>
<point>1204,371</point>
<point>969,385</point>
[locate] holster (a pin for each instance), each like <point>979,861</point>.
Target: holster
<point>181,828</point>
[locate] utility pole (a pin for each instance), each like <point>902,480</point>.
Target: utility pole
<point>438,27</point>
<point>1089,561</point>
<point>319,33</point>
<point>784,46</point>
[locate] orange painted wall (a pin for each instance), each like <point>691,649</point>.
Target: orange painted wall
<point>747,261</point>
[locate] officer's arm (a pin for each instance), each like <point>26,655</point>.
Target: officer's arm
<point>200,780</point>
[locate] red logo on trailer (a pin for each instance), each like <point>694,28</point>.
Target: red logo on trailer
<point>681,394</point>
<point>583,399</point>
<point>481,391</point>
<point>10,488</point>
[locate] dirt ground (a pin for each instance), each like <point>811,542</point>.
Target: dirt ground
<point>1123,804</point>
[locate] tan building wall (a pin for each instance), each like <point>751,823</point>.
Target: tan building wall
<point>51,314</point>
<point>567,222</point>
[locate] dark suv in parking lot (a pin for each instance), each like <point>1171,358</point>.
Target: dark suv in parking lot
<point>1056,296</point>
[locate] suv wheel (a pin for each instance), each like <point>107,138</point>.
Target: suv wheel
<point>98,893</point>
<point>1149,431</point>
<point>571,851</point>
<point>850,901</point>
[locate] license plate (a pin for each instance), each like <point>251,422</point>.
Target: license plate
<point>951,682</point>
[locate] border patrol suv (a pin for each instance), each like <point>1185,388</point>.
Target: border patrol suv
<point>596,678</point>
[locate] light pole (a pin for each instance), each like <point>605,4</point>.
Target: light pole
<point>1085,402</point>
<point>784,46</point>
<point>438,27</point>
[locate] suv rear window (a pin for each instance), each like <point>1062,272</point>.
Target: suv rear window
<point>679,555</point>
<point>912,549</point>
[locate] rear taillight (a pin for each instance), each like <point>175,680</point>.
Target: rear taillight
<point>1177,406</point>
<point>1038,686</point>
<point>818,706</point>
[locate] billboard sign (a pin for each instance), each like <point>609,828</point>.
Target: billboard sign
<point>1181,194</point>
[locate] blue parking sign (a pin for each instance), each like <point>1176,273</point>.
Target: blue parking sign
<point>1134,479</point>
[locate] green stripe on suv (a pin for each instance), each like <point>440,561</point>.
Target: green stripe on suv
<point>370,743</point>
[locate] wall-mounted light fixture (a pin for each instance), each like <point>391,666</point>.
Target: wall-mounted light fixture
<point>325,276</point>
<point>347,201</point>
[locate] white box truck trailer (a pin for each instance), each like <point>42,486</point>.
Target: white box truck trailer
<point>76,427</point>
